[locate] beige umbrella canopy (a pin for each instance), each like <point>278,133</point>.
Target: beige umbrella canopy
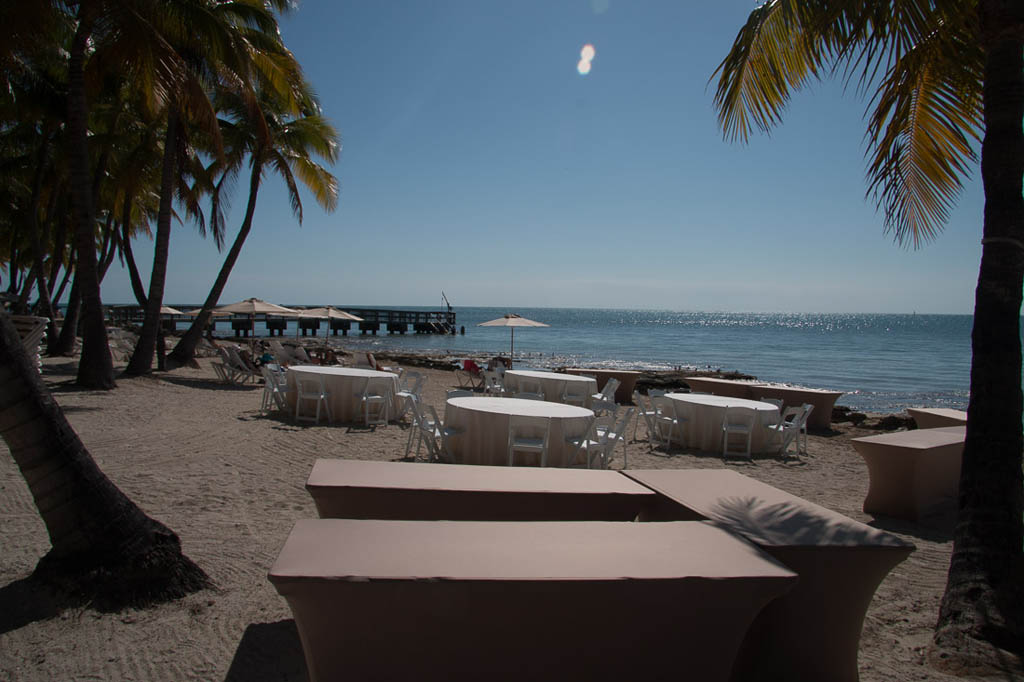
<point>253,307</point>
<point>326,313</point>
<point>512,321</point>
<point>168,310</point>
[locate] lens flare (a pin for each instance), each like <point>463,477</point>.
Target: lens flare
<point>583,67</point>
<point>587,53</point>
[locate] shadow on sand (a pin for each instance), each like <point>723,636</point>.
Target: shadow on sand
<point>269,651</point>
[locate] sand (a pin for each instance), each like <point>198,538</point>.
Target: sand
<point>197,455</point>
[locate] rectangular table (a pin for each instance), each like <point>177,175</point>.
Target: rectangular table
<point>823,401</point>
<point>913,474</point>
<point>937,417</point>
<point>463,600</point>
<point>419,492</point>
<point>813,632</point>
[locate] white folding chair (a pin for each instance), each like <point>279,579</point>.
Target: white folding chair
<point>575,393</point>
<point>669,420</point>
<point>523,438</point>
<point>605,400</point>
<point>493,383</point>
<point>373,404</point>
<point>802,433</point>
<point>617,434</point>
<point>409,390</point>
<point>435,434</point>
<point>785,431</point>
<point>738,421</point>
<point>312,389</point>
<point>589,446</point>
<point>275,388</point>
<point>644,412</point>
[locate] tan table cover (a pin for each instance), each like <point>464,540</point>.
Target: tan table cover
<point>703,431</point>
<point>626,377</point>
<point>813,632</point>
<point>913,474</point>
<point>483,427</point>
<point>552,383</point>
<point>343,383</point>
<point>823,401</point>
<point>356,489</point>
<point>464,600</point>
<point>937,417</point>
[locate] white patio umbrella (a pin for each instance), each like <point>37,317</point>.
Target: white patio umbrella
<point>512,321</point>
<point>326,313</point>
<point>256,306</point>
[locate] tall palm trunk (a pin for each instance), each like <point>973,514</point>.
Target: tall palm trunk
<point>95,367</point>
<point>142,358</point>
<point>984,599</point>
<point>104,548</point>
<point>185,349</point>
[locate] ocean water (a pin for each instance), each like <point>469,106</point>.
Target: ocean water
<point>881,363</point>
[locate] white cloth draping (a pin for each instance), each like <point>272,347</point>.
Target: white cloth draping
<point>482,424</point>
<point>552,383</point>
<point>703,430</point>
<point>344,384</point>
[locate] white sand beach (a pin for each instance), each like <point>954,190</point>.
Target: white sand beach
<point>196,454</point>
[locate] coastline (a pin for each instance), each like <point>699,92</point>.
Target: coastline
<point>197,455</point>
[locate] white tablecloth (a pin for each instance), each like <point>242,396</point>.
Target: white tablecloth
<point>343,383</point>
<point>552,383</point>
<point>703,431</point>
<point>483,424</point>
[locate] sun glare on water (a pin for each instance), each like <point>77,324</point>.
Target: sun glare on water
<point>586,56</point>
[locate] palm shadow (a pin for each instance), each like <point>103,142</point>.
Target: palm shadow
<point>269,652</point>
<point>210,384</point>
<point>26,601</point>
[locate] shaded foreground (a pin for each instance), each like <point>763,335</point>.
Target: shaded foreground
<point>197,455</point>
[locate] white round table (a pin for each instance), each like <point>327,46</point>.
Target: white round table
<point>703,430</point>
<point>552,383</point>
<point>482,425</point>
<point>344,383</point>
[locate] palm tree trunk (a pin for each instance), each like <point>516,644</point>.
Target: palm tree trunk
<point>129,255</point>
<point>95,367</point>
<point>983,603</point>
<point>142,358</point>
<point>105,550</point>
<point>185,349</point>
<point>65,343</point>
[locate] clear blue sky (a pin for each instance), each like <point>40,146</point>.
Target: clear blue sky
<point>478,161</point>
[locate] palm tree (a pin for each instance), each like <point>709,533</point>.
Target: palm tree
<point>217,42</point>
<point>944,72</point>
<point>278,141</point>
<point>104,549</point>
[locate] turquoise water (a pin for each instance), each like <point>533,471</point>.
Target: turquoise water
<point>880,362</point>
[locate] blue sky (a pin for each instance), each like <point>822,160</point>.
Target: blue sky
<point>476,160</point>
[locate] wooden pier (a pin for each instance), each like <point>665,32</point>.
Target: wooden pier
<point>374,320</point>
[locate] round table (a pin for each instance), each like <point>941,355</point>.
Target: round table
<point>344,384</point>
<point>703,430</point>
<point>552,383</point>
<point>482,427</point>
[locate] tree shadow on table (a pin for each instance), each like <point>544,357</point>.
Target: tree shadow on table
<point>269,651</point>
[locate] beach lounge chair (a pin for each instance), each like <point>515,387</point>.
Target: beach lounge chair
<point>242,371</point>
<point>470,375</point>
<point>31,331</point>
